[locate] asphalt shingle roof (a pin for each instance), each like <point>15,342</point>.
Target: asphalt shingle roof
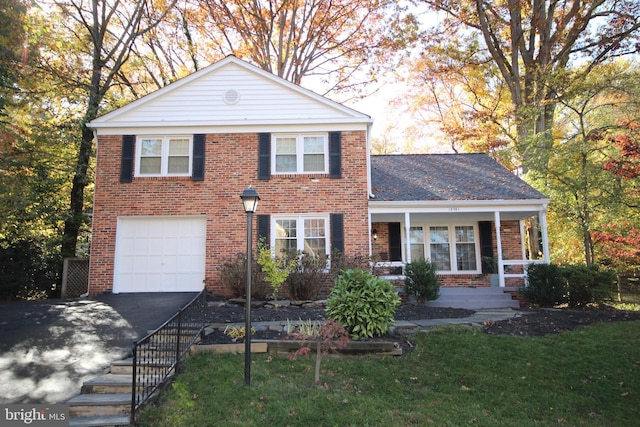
<point>413,177</point>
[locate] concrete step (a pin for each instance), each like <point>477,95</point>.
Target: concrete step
<point>474,298</point>
<point>473,304</point>
<point>104,421</point>
<point>467,290</point>
<point>92,405</point>
<point>108,384</point>
<point>125,367</point>
<point>122,367</point>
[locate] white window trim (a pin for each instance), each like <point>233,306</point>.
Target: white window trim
<point>300,230</point>
<point>164,156</point>
<point>300,152</point>
<point>451,226</point>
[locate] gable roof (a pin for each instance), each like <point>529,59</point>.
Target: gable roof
<point>429,177</point>
<point>227,93</point>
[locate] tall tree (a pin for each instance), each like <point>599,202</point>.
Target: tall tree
<point>532,42</point>
<point>464,100</point>
<point>344,43</point>
<point>102,34</point>
<point>12,40</point>
<point>584,195</point>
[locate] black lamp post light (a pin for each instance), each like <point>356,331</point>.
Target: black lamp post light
<point>250,202</point>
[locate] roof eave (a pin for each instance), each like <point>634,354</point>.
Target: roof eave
<point>459,205</point>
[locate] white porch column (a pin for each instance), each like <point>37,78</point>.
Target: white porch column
<point>545,234</point>
<point>407,234</point>
<point>523,243</point>
<point>370,236</point>
<point>496,220</point>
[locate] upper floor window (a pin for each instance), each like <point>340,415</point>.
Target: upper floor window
<point>300,153</point>
<point>164,156</point>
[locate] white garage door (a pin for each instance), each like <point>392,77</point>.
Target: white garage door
<point>164,254</point>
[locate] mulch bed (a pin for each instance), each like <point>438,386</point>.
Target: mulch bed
<point>530,322</point>
<point>543,321</point>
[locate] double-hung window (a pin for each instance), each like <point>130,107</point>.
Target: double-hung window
<point>300,153</point>
<point>453,248</point>
<point>307,234</point>
<point>164,156</point>
<point>417,243</point>
<point>440,248</point>
<point>465,248</point>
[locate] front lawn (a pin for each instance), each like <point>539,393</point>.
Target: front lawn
<point>454,377</point>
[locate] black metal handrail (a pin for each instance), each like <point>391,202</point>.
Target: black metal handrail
<point>158,354</point>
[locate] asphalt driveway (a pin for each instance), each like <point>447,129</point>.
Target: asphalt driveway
<point>48,348</point>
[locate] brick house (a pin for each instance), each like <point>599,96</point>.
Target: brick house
<point>172,165</point>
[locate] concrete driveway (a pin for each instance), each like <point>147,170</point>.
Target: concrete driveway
<point>48,348</point>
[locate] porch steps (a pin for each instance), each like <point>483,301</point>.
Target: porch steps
<point>475,298</point>
<point>105,401</point>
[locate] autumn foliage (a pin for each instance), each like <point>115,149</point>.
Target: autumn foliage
<point>626,163</point>
<point>619,245</point>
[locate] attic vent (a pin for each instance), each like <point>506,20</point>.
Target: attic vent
<point>231,96</point>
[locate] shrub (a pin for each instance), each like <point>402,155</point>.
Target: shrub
<point>341,262</point>
<point>27,269</point>
<point>364,304</point>
<point>546,285</point>
<point>306,278</point>
<point>421,280</point>
<point>586,285</point>
<point>234,277</point>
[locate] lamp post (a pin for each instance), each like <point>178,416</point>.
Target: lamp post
<point>250,202</point>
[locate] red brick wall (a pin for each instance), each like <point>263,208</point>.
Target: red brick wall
<point>231,166</point>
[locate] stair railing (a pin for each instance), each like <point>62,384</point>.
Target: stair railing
<point>157,355</point>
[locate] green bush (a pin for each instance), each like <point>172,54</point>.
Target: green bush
<point>364,304</point>
<point>306,278</point>
<point>421,280</point>
<point>577,285</point>
<point>546,285</point>
<point>28,269</point>
<point>587,285</point>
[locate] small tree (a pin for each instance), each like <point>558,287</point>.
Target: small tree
<point>329,337</point>
<point>421,280</point>
<point>276,269</point>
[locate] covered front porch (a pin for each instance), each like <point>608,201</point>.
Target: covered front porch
<point>473,243</point>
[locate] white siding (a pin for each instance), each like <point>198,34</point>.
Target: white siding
<point>199,100</point>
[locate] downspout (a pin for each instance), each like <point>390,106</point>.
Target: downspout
<point>370,195</point>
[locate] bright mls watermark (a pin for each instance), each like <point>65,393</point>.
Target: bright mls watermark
<point>34,415</point>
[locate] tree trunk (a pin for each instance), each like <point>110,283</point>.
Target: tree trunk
<point>76,217</point>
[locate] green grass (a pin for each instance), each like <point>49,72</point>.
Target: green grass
<point>454,377</point>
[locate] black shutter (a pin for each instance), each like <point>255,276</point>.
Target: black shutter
<point>126,162</point>
<point>335,154</point>
<point>197,167</point>
<point>337,233</point>
<point>264,222</point>
<point>395,242</point>
<point>264,156</point>
<point>486,247</point>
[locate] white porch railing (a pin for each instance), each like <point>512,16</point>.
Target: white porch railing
<point>501,269</point>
